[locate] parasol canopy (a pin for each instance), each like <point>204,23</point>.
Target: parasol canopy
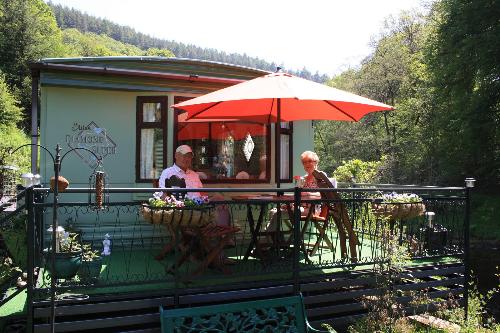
<point>279,97</point>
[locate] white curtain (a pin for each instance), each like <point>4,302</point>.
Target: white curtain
<point>285,156</point>
<point>148,112</point>
<point>147,140</point>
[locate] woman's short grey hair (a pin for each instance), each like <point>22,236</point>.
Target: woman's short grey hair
<point>310,154</point>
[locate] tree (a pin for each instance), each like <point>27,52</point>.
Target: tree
<point>463,58</point>
<point>11,136</point>
<point>395,73</point>
<point>159,52</point>
<point>92,45</point>
<point>28,32</point>
<point>10,113</point>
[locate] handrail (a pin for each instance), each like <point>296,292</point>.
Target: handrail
<point>240,190</point>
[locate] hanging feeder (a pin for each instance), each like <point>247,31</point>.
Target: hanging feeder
<point>98,184</point>
<point>8,178</point>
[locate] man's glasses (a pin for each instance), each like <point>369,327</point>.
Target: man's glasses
<point>309,161</point>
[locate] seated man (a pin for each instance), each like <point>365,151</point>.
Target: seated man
<point>182,169</point>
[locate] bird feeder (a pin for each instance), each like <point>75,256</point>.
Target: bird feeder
<point>98,184</point>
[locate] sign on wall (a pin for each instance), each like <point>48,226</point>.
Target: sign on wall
<point>92,137</point>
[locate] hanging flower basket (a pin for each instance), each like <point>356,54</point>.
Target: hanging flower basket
<point>398,206</point>
<point>398,211</point>
<point>179,216</point>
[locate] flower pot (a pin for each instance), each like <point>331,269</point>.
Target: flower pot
<point>62,183</point>
<point>66,264</point>
<point>90,270</point>
<point>435,238</point>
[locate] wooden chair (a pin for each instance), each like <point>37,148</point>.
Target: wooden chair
<point>206,245</point>
<point>320,223</point>
<point>338,211</point>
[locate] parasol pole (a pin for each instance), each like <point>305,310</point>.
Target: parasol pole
<point>277,131</point>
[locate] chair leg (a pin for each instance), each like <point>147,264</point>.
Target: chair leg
<point>342,238</point>
<point>210,258</point>
<point>353,239</point>
<point>322,236</point>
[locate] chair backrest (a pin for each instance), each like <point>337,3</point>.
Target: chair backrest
<point>284,314</point>
<point>324,182</point>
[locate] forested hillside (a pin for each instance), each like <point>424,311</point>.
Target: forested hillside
<point>72,18</point>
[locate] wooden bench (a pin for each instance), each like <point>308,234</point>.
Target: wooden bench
<point>286,314</point>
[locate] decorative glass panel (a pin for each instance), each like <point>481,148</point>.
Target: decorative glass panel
<point>151,159</point>
<point>151,112</point>
<point>248,147</point>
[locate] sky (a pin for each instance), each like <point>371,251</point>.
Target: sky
<point>328,36</point>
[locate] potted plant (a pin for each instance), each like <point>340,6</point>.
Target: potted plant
<point>68,255</point>
<point>91,265</point>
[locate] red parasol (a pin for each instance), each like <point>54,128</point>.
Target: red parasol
<point>280,97</point>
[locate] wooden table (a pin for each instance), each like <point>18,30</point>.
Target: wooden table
<point>263,201</point>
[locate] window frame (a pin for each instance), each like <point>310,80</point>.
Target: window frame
<point>267,180</point>
<point>289,132</point>
<point>140,125</point>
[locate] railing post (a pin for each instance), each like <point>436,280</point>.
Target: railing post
<point>57,168</point>
<point>30,238</point>
<point>469,183</point>
<point>296,239</point>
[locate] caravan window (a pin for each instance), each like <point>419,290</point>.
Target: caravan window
<point>226,151</point>
<point>151,137</point>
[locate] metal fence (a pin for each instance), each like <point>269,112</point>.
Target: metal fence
<point>272,240</point>
<point>274,237</point>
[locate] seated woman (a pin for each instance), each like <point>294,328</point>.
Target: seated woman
<point>310,162</point>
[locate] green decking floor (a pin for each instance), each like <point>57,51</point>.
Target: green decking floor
<point>139,264</point>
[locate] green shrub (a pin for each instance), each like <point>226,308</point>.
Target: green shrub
<point>11,138</point>
<point>10,113</point>
<point>363,172</point>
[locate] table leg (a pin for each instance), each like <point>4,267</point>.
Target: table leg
<point>254,229</point>
<point>168,247</point>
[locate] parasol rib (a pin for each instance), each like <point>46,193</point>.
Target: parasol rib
<point>271,111</point>
<point>201,111</point>
<point>336,107</point>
